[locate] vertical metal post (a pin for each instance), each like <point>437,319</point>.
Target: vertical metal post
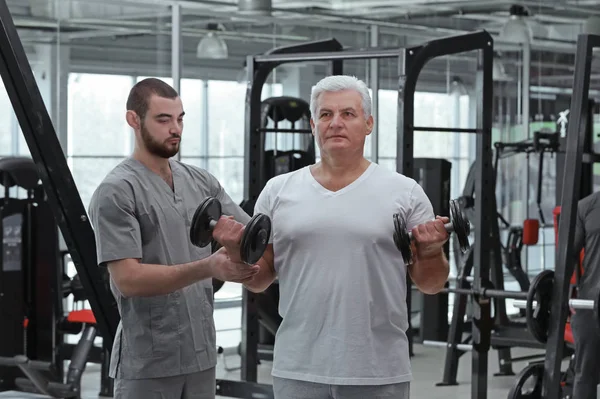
<point>484,191</point>
<point>253,178</point>
<point>176,51</point>
<point>404,150</point>
<point>374,83</point>
<point>566,228</point>
<point>205,129</point>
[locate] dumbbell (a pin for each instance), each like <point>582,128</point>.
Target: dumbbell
<point>254,240</point>
<point>459,224</point>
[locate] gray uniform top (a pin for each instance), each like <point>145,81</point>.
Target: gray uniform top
<point>135,214</point>
<point>587,236</point>
<point>342,281</point>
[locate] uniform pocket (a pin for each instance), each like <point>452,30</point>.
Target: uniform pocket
<point>164,323</point>
<point>136,337</point>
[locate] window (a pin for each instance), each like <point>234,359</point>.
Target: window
<point>433,110</point>
<point>98,135</point>
<point>192,96</point>
<point>97,123</point>
<point>226,131</point>
<point>7,120</point>
<point>226,113</point>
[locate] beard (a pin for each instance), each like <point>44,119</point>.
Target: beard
<point>154,147</point>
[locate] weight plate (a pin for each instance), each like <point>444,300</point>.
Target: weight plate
<point>597,309</point>
<point>461,225</point>
<point>538,317</point>
<point>200,230</point>
<point>524,390</point>
<point>402,239</point>
<point>255,238</point>
<point>217,284</point>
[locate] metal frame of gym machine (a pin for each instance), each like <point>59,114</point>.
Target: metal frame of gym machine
<point>57,180</point>
<point>410,63</point>
<point>576,131</point>
<point>56,177</point>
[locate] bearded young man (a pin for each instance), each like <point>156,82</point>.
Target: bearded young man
<point>165,345</point>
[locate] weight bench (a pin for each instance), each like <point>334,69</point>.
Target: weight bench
<point>39,375</point>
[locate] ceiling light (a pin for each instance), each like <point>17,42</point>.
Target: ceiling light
<point>516,29</point>
<point>255,7</point>
<point>212,47</point>
<point>457,87</point>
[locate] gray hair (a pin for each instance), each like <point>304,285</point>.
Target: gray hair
<point>339,83</point>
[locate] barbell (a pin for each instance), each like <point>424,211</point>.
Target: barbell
<point>537,302</point>
<point>540,308</point>
<point>540,291</point>
<point>459,225</point>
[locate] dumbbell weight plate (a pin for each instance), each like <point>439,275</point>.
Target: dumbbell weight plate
<point>255,238</point>
<point>534,391</point>
<point>402,238</point>
<point>461,226</point>
<point>597,309</point>
<point>538,317</point>
<point>200,230</point>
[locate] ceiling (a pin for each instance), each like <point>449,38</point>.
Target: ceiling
<point>136,32</point>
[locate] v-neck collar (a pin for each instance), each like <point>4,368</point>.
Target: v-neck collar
<point>173,193</point>
<point>323,190</point>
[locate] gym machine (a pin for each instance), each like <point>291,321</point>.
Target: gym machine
<point>62,199</point>
<point>431,321</point>
<point>285,149</point>
<point>33,284</point>
<point>548,375</point>
<point>506,332</point>
<point>30,258</point>
<point>484,231</point>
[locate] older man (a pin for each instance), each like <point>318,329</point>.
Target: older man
<point>342,281</point>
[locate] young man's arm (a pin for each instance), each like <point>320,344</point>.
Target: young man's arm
<point>119,247</point>
<point>134,278</point>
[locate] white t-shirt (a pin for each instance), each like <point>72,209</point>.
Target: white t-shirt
<point>342,281</point>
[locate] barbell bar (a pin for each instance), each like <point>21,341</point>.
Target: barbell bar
<point>587,304</point>
<point>445,344</point>
<point>487,292</point>
<point>540,289</point>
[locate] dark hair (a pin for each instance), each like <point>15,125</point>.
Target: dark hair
<point>142,91</point>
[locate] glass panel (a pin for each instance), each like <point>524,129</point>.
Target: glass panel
<point>226,109</point>
<point>230,173</point>
<point>387,113</point>
<point>7,121</point>
<point>97,123</point>
<point>228,323</point>
<point>192,96</point>
<point>88,173</point>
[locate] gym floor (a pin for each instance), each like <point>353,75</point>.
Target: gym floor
<point>426,364</point>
